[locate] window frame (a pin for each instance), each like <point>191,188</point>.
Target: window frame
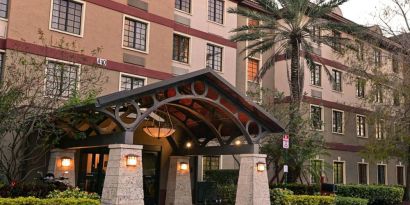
<point>6,18</point>
<point>179,10</point>
<point>343,169</point>
<point>147,39</point>
<point>189,48</point>
<point>322,169</point>
<point>2,63</point>
<point>367,172</point>
<point>79,66</point>
<point>377,57</point>
<point>223,13</point>
<point>322,112</point>
<point>404,174</point>
<point>362,83</point>
<point>385,173</point>
<point>84,7</point>
<point>313,76</point>
<point>334,71</point>
<point>132,76</point>
<point>365,126</point>
<point>395,64</point>
<point>380,128</point>
<point>343,121</point>
<point>222,56</point>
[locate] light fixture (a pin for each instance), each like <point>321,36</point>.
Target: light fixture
<point>188,145</point>
<point>160,128</point>
<point>238,142</point>
<point>183,166</point>
<point>65,161</point>
<point>260,166</point>
<point>132,160</point>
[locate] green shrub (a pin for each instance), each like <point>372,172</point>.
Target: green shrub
<point>56,201</point>
<point>223,176</point>
<point>340,200</point>
<point>73,193</point>
<point>309,200</point>
<point>36,188</point>
<point>376,194</point>
<point>227,193</point>
<point>277,196</point>
<point>299,189</point>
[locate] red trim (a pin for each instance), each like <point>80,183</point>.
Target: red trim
<point>318,59</point>
<point>80,58</point>
<point>335,105</point>
<point>122,8</point>
<point>343,147</point>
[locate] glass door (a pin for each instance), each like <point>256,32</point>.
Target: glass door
<point>92,169</point>
<point>151,171</point>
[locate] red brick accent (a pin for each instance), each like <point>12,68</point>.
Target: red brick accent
<point>343,147</point>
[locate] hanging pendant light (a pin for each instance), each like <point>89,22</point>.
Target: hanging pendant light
<point>160,128</point>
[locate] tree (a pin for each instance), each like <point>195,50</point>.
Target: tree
<point>288,27</point>
<point>31,101</point>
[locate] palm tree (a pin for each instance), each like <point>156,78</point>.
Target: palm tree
<point>290,28</point>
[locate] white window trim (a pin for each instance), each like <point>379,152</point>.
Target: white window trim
<point>224,14</point>
<point>147,34</point>
<point>341,82</point>
<point>404,173</point>
<point>365,127</point>
<point>223,55</point>
<point>63,62</point>
<point>379,126</point>
<point>133,76</point>
<point>323,167</point>
<point>321,82</point>
<point>322,116</point>
<point>184,12</point>
<point>359,78</point>
<point>189,47</point>
<point>343,122</point>
<point>367,172</point>
<point>260,58</point>
<point>344,170</point>
<point>81,35</point>
<point>386,182</point>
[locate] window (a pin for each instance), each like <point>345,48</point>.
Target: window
<point>130,82</point>
<point>183,5</point>
<point>1,65</point>
<point>216,11</point>
<point>379,94</point>
<point>4,8</point>
<point>67,16</point>
<point>316,117</point>
<point>214,57</point>
<point>316,33</point>
<point>337,81</point>
<point>61,79</point>
<point>180,51</point>
<point>316,75</point>
<point>380,129</point>
<point>317,170</point>
<point>395,64</point>
<point>381,174</point>
<point>360,87</point>
<point>253,22</point>
<point>337,124</point>
<point>210,162</point>
<point>400,175</point>
<point>363,172</point>
<point>253,69</point>
<point>360,50</point>
<point>135,34</point>
<point>377,57</point>
<point>396,98</point>
<point>336,42</point>
<point>361,126</point>
<point>338,172</point>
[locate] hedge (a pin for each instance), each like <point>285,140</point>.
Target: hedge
<point>299,189</point>
<point>340,200</point>
<point>223,176</point>
<point>309,200</point>
<point>55,201</point>
<point>376,194</point>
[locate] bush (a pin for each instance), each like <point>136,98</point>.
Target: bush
<point>299,189</point>
<point>73,193</point>
<point>350,201</point>
<point>227,193</point>
<point>37,189</point>
<point>277,196</point>
<point>56,201</point>
<point>309,200</point>
<point>222,177</point>
<point>376,194</point>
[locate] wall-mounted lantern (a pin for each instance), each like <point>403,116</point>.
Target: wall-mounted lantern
<point>260,166</point>
<point>183,166</point>
<point>65,161</point>
<point>188,145</point>
<point>132,160</point>
<point>238,142</point>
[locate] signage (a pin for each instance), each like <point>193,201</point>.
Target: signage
<point>285,169</point>
<point>102,61</point>
<point>285,141</point>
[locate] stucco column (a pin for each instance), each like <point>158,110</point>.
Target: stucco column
<point>55,165</point>
<point>123,184</point>
<point>179,182</point>
<point>253,187</point>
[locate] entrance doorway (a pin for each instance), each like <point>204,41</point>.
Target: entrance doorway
<point>151,172</point>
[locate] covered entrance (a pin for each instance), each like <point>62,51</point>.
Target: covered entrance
<point>207,115</point>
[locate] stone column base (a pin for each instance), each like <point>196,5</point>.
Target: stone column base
<point>179,182</point>
<point>253,185</point>
<point>55,166</point>
<point>123,184</point>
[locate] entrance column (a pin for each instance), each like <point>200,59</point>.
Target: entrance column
<point>253,187</point>
<point>62,164</point>
<point>123,182</point>
<point>179,182</point>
